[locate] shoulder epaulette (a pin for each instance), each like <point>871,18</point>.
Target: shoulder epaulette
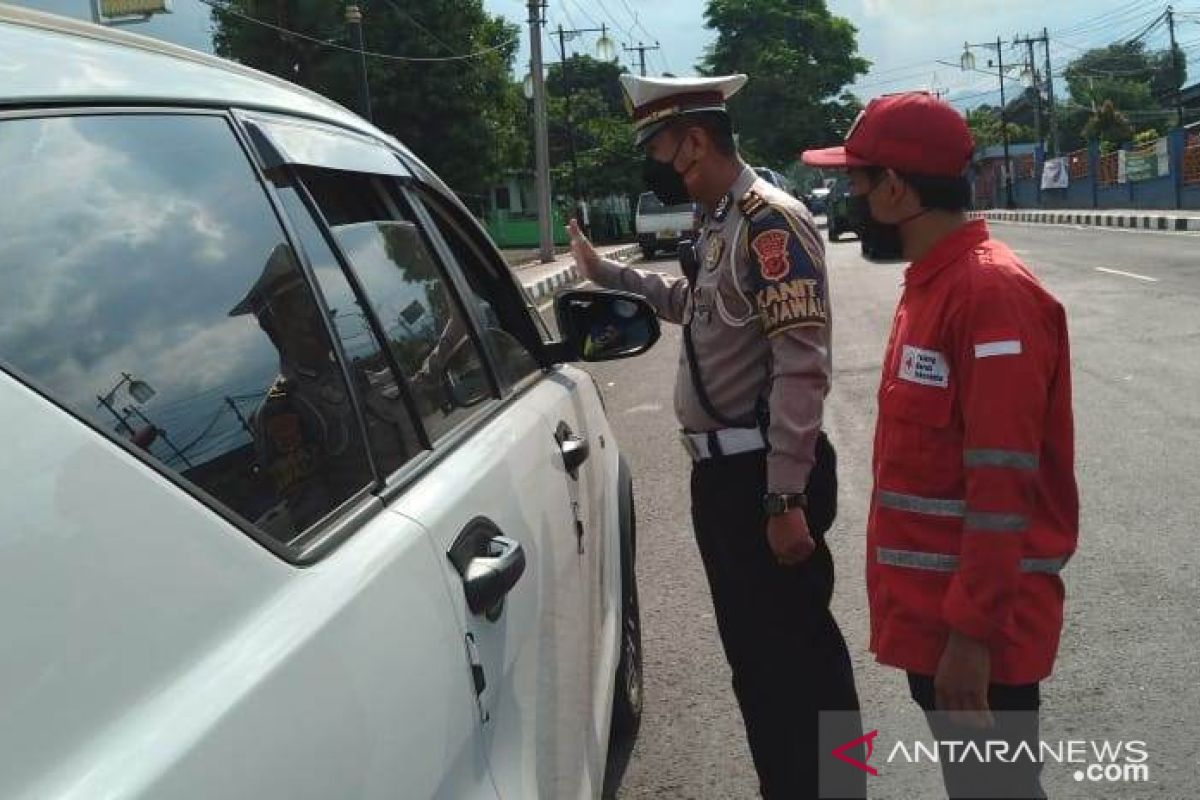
<point>753,205</point>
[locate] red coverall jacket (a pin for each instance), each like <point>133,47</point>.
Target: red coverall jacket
<point>974,510</point>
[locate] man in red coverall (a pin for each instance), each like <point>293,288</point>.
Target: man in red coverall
<point>974,510</point>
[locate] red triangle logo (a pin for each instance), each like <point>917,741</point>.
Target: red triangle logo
<point>839,752</point>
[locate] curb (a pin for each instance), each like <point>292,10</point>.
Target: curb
<point>1100,219</point>
<point>568,275</point>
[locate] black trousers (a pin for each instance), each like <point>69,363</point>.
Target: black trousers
<point>788,657</point>
<point>998,780</point>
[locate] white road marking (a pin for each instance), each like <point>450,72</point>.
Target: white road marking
<point>1133,275</point>
<point>645,408</point>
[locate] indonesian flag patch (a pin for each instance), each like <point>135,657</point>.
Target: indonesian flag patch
<point>771,247</point>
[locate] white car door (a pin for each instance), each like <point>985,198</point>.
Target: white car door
<point>535,649</point>
<point>491,482</point>
<point>574,413</point>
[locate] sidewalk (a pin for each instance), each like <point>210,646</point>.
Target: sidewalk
<point>542,280</point>
<point>1173,220</point>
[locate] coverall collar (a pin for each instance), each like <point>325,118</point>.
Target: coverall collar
<point>947,252</point>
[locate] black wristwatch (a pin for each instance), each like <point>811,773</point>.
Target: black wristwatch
<point>775,503</point>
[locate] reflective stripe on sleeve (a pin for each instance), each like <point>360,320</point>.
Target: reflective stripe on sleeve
<point>1002,523</point>
<point>1010,459</point>
<point>1010,347</point>
<point>934,506</point>
<point>943,562</point>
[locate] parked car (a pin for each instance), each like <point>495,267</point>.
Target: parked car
<point>838,214</point>
<point>661,227</point>
<point>775,179</point>
<point>818,200</point>
<point>301,499</point>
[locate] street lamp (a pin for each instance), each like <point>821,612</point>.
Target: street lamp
<point>968,59</point>
<point>967,62</point>
<point>605,49</point>
<point>140,391</point>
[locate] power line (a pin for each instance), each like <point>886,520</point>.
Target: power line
<point>1117,16</point>
<point>368,53</point>
<point>399,10</point>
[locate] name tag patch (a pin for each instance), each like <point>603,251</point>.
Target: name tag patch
<point>926,367</point>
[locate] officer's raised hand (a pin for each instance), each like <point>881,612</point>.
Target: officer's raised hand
<point>586,257</point>
<point>789,537</point>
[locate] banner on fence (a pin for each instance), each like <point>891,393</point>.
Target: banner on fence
<point>1146,164</point>
<point>1055,174</point>
<point>1122,166</point>
<point>1164,157</point>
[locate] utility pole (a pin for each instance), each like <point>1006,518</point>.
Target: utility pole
<point>1050,94</point>
<point>1037,88</point>
<point>354,20</point>
<point>541,138</point>
<point>641,50</point>
<point>133,411</point>
<point>1008,182</point>
<point>1052,127</point>
<point>1175,71</point>
<point>237,412</point>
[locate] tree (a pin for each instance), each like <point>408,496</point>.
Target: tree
<point>464,117</point>
<point>1109,126</point>
<point>1133,80</point>
<point>984,123</point>
<point>608,163</point>
<point>800,58</point>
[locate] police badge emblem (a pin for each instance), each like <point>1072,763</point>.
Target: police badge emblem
<point>716,249</point>
<point>771,247</point>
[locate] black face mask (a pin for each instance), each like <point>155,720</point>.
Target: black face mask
<point>661,178</point>
<point>880,243</point>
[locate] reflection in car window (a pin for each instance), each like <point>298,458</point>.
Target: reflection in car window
<point>390,429</point>
<point>148,287</point>
<point>515,360</point>
<point>411,297</point>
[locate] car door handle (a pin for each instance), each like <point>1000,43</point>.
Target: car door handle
<point>490,564</point>
<point>575,450</point>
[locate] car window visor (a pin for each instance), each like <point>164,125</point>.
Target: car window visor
<point>279,141</point>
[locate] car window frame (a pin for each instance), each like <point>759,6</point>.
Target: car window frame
<point>452,280</point>
<point>417,468</point>
<point>514,298</point>
<point>437,248</point>
<point>343,520</point>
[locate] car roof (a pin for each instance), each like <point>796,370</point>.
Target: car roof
<point>49,59</point>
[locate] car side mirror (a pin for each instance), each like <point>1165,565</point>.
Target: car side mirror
<point>604,325</point>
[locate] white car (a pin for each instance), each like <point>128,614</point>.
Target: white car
<point>300,498</point>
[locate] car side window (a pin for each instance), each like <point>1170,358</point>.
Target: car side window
<point>149,288</point>
<point>504,320</point>
<point>391,431</point>
<point>427,333</point>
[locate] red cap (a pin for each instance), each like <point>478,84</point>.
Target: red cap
<point>914,132</point>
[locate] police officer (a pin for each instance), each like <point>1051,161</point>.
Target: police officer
<point>306,436</point>
<point>752,380</point>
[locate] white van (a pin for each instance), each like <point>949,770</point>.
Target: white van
<point>300,499</point>
<point>662,227</point>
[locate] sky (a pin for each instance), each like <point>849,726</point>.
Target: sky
<point>904,39</point>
